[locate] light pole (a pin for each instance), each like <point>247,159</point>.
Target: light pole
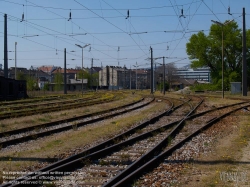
<point>130,78</point>
<point>164,76</point>
<point>152,69</point>
<point>82,47</point>
<point>163,64</point>
<point>222,54</point>
<point>15,60</point>
<point>244,57</point>
<point>65,78</point>
<point>136,75</point>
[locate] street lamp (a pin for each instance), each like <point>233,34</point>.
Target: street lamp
<point>136,75</point>
<point>82,47</point>
<point>163,72</point>
<point>222,54</point>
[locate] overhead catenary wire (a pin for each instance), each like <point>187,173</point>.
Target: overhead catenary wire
<point>129,20</point>
<point>72,23</point>
<point>210,10</point>
<point>58,37</point>
<point>107,47</point>
<point>107,21</point>
<point>135,16</point>
<point>102,9</point>
<point>100,45</point>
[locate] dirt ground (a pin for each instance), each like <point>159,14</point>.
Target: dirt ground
<point>228,162</point>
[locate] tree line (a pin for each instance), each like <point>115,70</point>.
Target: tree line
<point>206,51</point>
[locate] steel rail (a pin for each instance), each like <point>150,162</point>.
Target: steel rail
<point>52,167</point>
<point>49,124</point>
<point>52,108</point>
<point>96,148</point>
<point>148,166</point>
<point>46,133</point>
<point>107,143</point>
<point>153,152</point>
<point>38,105</point>
<point>36,99</point>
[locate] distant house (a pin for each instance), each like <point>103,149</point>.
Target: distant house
<point>34,73</point>
<point>48,70</point>
<point>11,72</point>
<point>72,81</point>
<point>70,73</point>
<point>142,78</point>
<point>42,81</point>
<point>114,77</point>
<point>72,85</point>
<point>176,85</point>
<point>94,70</point>
<point>182,83</point>
<point>40,77</point>
<point>188,82</point>
<point>77,84</point>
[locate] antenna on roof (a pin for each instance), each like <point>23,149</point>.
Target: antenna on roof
<point>118,50</point>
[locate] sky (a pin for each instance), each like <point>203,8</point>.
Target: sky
<point>120,32</point>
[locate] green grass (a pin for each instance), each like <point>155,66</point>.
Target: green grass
<point>54,143</point>
<point>204,87</point>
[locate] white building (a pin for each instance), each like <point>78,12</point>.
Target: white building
<point>114,77</point>
<point>199,74</point>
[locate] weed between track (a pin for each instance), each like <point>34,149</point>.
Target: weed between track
<point>55,146</point>
<point>27,121</point>
<point>51,146</point>
<point>228,160</point>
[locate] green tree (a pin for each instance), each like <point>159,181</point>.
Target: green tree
<point>58,81</point>
<point>46,87</point>
<point>21,76</point>
<point>31,83</point>
<point>80,74</point>
<point>160,86</point>
<point>86,75</point>
<point>206,51</point>
<point>94,79</point>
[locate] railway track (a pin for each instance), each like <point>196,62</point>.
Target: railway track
<point>30,133</point>
<point>184,135</point>
<point>115,139</point>
<point>39,104</point>
<point>56,107</point>
<point>100,163</point>
<point>36,99</point>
